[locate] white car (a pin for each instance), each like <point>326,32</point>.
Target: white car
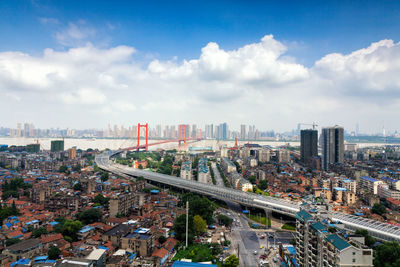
<point>255,252</point>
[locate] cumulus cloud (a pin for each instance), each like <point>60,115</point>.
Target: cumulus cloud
<point>256,84</point>
<point>365,72</point>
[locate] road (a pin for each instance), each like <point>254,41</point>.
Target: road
<point>379,230</point>
<point>242,236</point>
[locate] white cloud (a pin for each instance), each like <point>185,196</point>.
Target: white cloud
<point>75,34</point>
<point>49,21</point>
<point>254,84</point>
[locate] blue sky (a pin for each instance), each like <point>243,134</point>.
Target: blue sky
<point>266,63</point>
<point>181,28</point>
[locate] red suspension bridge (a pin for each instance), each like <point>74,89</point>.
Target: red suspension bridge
<point>182,138</point>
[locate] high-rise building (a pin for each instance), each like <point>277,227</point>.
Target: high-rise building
<point>33,148</point>
<point>19,130</point>
<point>332,146</point>
<point>320,243</point>
<point>57,145</point>
<point>27,130</point>
<point>243,132</point>
<point>223,131</point>
<point>158,131</point>
<point>308,145</point>
<point>72,153</point>
<point>194,130</point>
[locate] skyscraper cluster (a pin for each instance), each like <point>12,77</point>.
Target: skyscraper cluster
<point>332,146</point>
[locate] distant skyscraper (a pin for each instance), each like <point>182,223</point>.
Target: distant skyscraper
<point>158,130</point>
<point>19,131</point>
<point>332,146</point>
<point>223,131</point>
<point>243,132</point>
<point>308,145</point>
<point>357,129</point>
<point>194,130</point>
<point>26,129</point>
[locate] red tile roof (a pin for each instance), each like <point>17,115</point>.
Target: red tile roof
<point>160,253</point>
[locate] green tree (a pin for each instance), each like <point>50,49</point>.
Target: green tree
<point>89,216</point>
<point>63,168</point>
<point>199,206</point>
<point>263,184</point>
<point>180,228</point>
<point>225,220</point>
<point>369,240</point>
<point>69,229</point>
<point>231,261</point>
<point>39,231</point>
<point>387,255</point>
<point>77,187</point>
<point>200,225</point>
<point>104,176</point>
<point>379,209</point>
<point>14,210</point>
<point>12,241</point>
<point>54,253</point>
<point>252,179</point>
<point>101,200</point>
<point>77,168</point>
<point>162,239</point>
<point>140,167</point>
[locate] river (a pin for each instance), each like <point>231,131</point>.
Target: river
<point>101,144</point>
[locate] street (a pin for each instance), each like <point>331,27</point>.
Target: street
<point>245,241</point>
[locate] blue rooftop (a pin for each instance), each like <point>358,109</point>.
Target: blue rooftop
<point>303,215</point>
<point>340,189</point>
<point>41,258</point>
<point>319,226</point>
<point>389,179</point>
<point>337,241</point>
<point>85,229</point>
<point>368,179</point>
<point>21,261</point>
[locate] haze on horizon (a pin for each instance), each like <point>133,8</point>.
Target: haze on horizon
<point>273,65</point>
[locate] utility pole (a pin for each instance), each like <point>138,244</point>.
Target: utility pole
<point>187,222</point>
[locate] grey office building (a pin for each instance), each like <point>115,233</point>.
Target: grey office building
<point>332,146</point>
<point>308,146</point>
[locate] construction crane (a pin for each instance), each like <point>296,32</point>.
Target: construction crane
<point>314,125</point>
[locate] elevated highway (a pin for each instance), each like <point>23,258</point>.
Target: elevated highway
<point>382,231</point>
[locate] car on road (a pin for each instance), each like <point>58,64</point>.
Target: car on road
<point>262,246</point>
<point>255,252</point>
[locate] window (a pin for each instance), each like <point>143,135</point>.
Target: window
<point>354,253</point>
<point>354,260</point>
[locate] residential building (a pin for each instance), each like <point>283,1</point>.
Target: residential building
<point>186,170</point>
<point>283,156</point>
<point>332,146</point>
<point>124,203</point>
<point>263,155</point>
<point>227,165</point>
<point>368,185</point>
<point>72,153</point>
<point>24,249</point>
<point>308,146</point>
<point>33,148</point>
<point>57,145</point>
<point>385,192</point>
<point>203,172</point>
<point>319,243</point>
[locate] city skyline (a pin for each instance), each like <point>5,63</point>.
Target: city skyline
<point>89,66</point>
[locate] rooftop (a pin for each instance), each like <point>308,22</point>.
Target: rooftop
<point>337,241</point>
